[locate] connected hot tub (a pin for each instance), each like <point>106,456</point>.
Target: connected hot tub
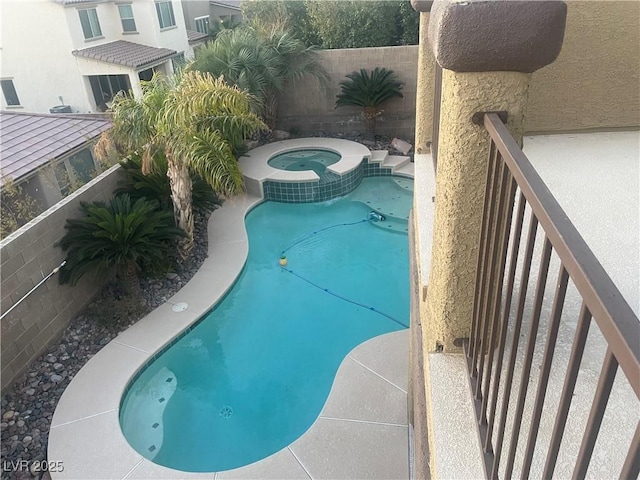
<point>305,159</point>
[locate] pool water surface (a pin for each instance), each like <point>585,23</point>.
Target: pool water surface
<point>254,375</point>
<point>300,160</point>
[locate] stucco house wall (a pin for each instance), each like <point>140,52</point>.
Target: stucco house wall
<point>31,64</point>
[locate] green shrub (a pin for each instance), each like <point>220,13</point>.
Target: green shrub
<point>369,91</point>
<point>155,186</point>
<point>123,236</point>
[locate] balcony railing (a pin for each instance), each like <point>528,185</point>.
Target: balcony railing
<point>511,175</point>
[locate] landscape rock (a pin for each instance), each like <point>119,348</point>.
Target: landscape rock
<point>280,135</point>
<point>251,144</point>
<point>401,146</point>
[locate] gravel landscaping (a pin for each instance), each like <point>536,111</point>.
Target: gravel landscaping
<point>28,405</point>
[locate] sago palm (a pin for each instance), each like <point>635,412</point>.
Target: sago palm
<point>196,122</point>
<point>369,91</point>
<point>121,236</point>
<point>261,62</point>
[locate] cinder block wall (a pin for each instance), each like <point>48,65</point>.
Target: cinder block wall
<point>306,107</point>
<point>29,254</point>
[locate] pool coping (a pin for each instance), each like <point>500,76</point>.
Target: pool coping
<point>256,169</point>
<point>85,433</point>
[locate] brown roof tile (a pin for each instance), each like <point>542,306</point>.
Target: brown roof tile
<point>30,140</point>
<point>195,37</point>
<point>125,53</point>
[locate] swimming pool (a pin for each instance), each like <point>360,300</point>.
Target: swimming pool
<point>254,374</point>
<point>305,159</point>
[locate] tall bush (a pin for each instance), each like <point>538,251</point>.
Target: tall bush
<point>262,62</point>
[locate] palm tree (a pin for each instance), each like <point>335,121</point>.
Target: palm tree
<point>156,186</point>
<point>121,236</point>
<point>195,121</point>
<point>261,61</point>
<point>369,91</point>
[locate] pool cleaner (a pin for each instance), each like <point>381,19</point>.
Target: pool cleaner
<point>376,217</point>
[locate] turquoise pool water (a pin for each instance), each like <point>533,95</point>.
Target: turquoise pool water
<point>255,373</point>
<point>299,160</point>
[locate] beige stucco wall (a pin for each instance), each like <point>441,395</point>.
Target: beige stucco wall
<point>425,90</point>
<point>308,108</point>
<point>595,82</point>
<point>27,255</point>
<point>462,165</point>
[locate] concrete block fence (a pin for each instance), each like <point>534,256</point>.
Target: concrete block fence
<point>26,256</point>
<point>310,109</point>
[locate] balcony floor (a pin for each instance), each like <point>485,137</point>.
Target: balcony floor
<point>596,179</point>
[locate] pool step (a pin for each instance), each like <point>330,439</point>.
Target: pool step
<point>406,169</point>
<point>378,156</point>
<point>394,162</point>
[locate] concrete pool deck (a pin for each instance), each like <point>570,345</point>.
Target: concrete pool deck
<point>362,431</point>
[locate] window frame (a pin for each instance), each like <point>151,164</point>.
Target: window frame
<point>132,18</point>
<point>208,23</point>
<point>94,36</point>
<point>15,92</point>
<point>161,19</point>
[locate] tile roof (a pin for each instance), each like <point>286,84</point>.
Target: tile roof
<point>30,140</point>
<point>125,53</point>
<point>74,2</point>
<point>195,37</point>
<point>227,3</point>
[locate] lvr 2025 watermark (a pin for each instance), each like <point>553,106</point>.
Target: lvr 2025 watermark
<point>34,467</point>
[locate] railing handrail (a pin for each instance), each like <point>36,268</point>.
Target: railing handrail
<point>615,318</point>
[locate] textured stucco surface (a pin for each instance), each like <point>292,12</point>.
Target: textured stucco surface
<point>424,93</point>
<point>481,36</point>
<point>595,82</point>
<point>460,183</point>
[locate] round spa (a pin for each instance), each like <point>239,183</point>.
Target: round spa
<point>299,160</point>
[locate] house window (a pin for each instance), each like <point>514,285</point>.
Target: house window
<point>126,17</point>
<point>10,95</point>
<point>202,24</point>
<point>165,14</point>
<point>73,172</point>
<point>178,62</point>
<point>105,87</point>
<point>90,23</point>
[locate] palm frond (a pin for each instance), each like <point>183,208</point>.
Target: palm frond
<point>369,90</point>
<point>109,236</point>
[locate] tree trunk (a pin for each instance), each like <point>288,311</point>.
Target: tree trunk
<point>370,115</point>
<point>130,280</point>
<point>271,110</point>
<point>181,189</point>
